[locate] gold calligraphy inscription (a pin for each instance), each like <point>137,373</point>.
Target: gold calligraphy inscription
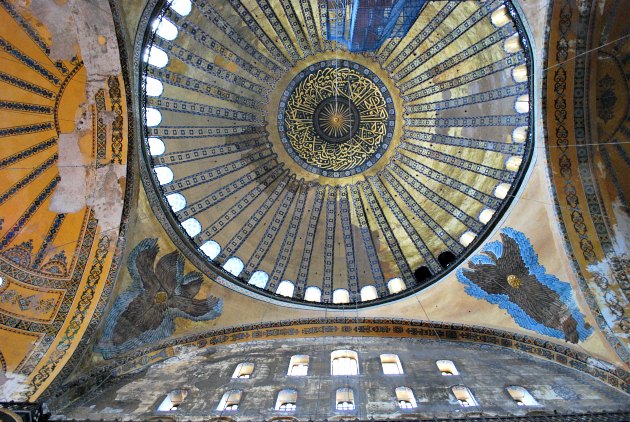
<point>336,119</point>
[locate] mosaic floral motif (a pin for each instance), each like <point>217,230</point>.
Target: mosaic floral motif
<point>508,274</point>
<point>606,98</point>
<point>146,311</point>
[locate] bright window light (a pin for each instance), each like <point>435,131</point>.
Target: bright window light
<point>177,201</point>
<point>192,227</point>
<point>211,248</point>
<point>234,266</point>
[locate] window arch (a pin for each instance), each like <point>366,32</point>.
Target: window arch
<point>368,293</point>
<point>182,7</point>
<point>521,396</point>
<point>466,238</point>
<point>153,116</point>
<point>422,274</point>
<point>405,398</point>
<point>164,28</point>
<point>391,364</point>
<point>486,215</point>
<point>211,248</point>
<point>522,104</point>
<point>156,146</point>
<point>512,44</point>
<point>259,279</point>
<point>447,367</point>
<point>156,57</point>
<point>501,190</point>
<point>519,73</point>
<point>153,87</point>
<point>344,362</point>
<point>192,227</point>
<point>341,296</point>
<point>298,366</point>
<point>177,201</point>
<point>285,288</point>
<point>500,17</point>
<point>344,399</point>
<point>313,294</point>
<point>286,400</point>
<point>172,401</point>
<point>234,266</point>
<point>463,396</point>
<point>396,285</point>
<point>519,135</point>
<point>230,400</point>
<point>513,163</point>
<point>163,174</point>
<point>446,258</point>
<point>243,370</point>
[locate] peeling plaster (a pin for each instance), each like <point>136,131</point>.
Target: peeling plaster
<point>105,194</point>
<point>70,194</point>
<point>621,228</point>
<point>13,387</point>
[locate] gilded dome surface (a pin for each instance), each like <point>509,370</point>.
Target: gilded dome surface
<point>288,167</point>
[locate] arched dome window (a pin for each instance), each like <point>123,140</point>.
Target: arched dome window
<point>313,294</point>
<point>192,227</point>
<point>163,174</point>
<point>234,266</point>
<point>341,296</point>
<point>177,201</point>
<point>165,29</point>
<point>259,279</point>
<point>285,288</point>
<point>211,249</point>
<point>486,215</point>
<point>466,238</point>
<point>156,146</point>
<point>368,293</point>
<point>156,57</point>
<point>396,285</point>
<point>154,117</point>
<point>182,7</point>
<point>153,87</point>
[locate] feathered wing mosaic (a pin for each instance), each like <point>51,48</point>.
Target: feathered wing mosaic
<point>146,311</point>
<point>507,273</point>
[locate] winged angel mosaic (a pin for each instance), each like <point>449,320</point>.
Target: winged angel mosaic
<point>159,293</point>
<point>508,274</point>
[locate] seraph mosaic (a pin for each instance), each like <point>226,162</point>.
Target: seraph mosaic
<point>507,273</point>
<point>159,293</point>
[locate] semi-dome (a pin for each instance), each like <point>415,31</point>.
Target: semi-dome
<point>280,161</point>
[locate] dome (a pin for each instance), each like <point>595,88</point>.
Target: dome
<point>309,162</point>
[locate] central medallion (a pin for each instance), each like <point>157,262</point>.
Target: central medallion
<point>336,118</point>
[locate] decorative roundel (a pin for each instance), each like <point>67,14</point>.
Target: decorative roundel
<point>336,118</point>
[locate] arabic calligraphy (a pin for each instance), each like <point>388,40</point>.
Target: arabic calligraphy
<point>337,120</point>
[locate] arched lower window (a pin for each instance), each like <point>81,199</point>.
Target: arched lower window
<point>519,73</point>
<point>211,249</point>
<point>243,370</point>
<point>341,296</point>
<point>446,258</point>
<point>182,7</point>
<point>285,288</point>
<point>391,364</point>
<point>521,396</point>
<point>522,104</point>
<point>344,362</point>
<point>287,400</point>
<point>519,135</point>
<point>172,401</point>
<point>500,17</point>
<point>192,227</point>
<point>234,266</point>
<point>177,201</point>
<point>502,190</point>
<point>230,400</point>
<point>463,396</point>
<point>313,294</point>
<point>447,367</point>
<point>466,238</point>
<point>156,57</point>
<point>164,28</point>
<point>513,163</point>
<point>405,398</point>
<point>368,293</point>
<point>344,399</point>
<point>163,174</point>
<point>298,366</point>
<point>512,44</point>
<point>396,285</point>
<point>259,279</point>
<point>156,146</point>
<point>153,87</point>
<point>486,215</point>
